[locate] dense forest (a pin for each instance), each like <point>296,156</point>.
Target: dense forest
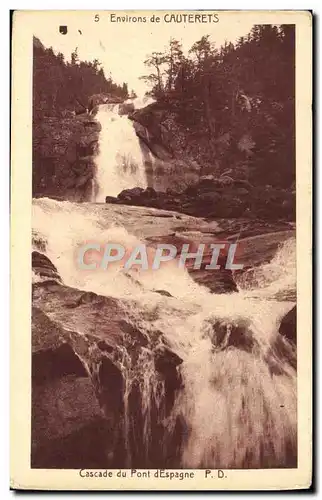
<point>60,86</point>
<point>238,99</point>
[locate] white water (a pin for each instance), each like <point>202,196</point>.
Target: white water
<point>120,162</point>
<point>239,396</point>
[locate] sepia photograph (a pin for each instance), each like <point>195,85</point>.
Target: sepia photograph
<point>164,223</point>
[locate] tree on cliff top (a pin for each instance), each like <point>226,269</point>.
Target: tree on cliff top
<point>156,61</point>
<point>241,97</point>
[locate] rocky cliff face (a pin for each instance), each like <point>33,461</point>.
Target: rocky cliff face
<point>63,156</point>
<point>160,127</point>
<point>174,165</point>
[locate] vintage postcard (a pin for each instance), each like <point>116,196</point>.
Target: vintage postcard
<point>161,250</point>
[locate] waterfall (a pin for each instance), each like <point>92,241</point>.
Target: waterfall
<point>120,162</point>
<point>236,406</point>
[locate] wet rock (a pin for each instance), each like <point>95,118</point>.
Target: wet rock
<point>85,298</point>
<point>216,280</point>
<point>91,315</point>
<point>163,292</point>
<point>260,248</point>
<point>130,194</point>
<point>288,325</point>
<point>111,199</point>
<point>134,333</point>
<point>42,266</point>
<point>70,368</point>
<point>219,280</point>
<point>164,359</point>
<point>83,350</point>
<point>150,193</point>
<point>166,363</point>
<point>281,355</point>
<point>46,334</point>
<point>233,334</point>
<point>111,388</point>
<point>39,242</point>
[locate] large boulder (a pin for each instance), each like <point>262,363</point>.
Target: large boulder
<point>85,351</point>
<point>66,415</point>
<point>111,199</point>
<point>75,398</point>
<point>132,194</point>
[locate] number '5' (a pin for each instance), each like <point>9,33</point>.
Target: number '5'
<point>96,18</point>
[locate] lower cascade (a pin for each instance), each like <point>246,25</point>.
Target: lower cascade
<point>202,379</point>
